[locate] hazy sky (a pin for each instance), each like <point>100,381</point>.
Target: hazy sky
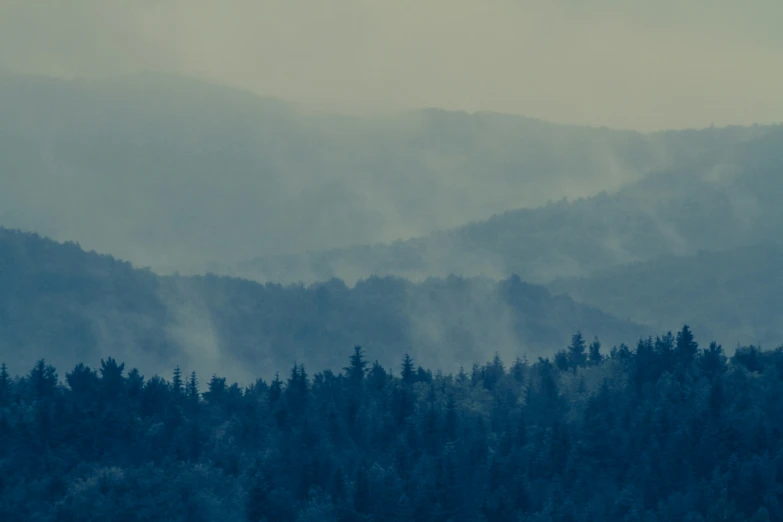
<point>642,64</point>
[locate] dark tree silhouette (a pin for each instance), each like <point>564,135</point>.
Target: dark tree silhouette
<point>667,431</point>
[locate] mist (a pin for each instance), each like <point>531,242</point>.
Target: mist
<point>193,136</point>
<point>174,173</point>
<point>621,64</point>
<point>721,196</point>
<point>327,217</point>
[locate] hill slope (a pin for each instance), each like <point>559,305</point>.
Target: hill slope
<point>723,202</point>
<point>168,172</point>
<point>61,303</point>
<point>735,296</point>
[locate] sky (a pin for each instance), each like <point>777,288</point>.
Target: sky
<point>646,65</point>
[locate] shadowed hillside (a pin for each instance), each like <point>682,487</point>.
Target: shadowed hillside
<point>63,304</point>
<point>668,431</point>
<point>728,200</point>
<point>171,173</point>
<point>734,295</point>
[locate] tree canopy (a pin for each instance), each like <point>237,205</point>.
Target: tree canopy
<point>667,431</point>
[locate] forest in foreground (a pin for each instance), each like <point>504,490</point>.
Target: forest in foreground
<point>667,430</point>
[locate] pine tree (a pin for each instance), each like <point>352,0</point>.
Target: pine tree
<point>562,362</point>
<point>111,377</point>
<point>518,369</point>
<point>594,356</point>
<point>377,376</point>
<point>191,392</point>
<point>686,347</point>
<point>134,383</point>
<point>362,497</point>
<point>43,379</point>
<point>82,381</point>
<point>403,399</point>
<point>5,385</point>
<point>408,373</point>
<point>257,504</point>
<point>176,382</point>
<point>664,350</point>
<point>356,370</point>
<point>275,390</point>
<point>462,377</point>
<point>713,361</point>
<point>423,375</point>
<point>576,351</point>
<point>430,433</point>
<point>216,389</point>
<point>296,389</point>
<point>521,495</point>
<point>521,432</point>
<point>154,396</point>
<point>404,510</point>
<point>451,418</point>
<point>493,372</point>
<point>451,499</point>
<point>337,485</point>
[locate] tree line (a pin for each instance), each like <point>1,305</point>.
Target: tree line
<point>667,430</point>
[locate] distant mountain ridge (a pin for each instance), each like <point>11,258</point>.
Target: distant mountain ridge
<point>735,295</point>
<point>66,305</point>
<point>171,172</point>
<point>717,203</point>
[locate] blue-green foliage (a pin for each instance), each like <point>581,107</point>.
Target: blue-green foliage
<point>668,431</point>
<point>70,306</point>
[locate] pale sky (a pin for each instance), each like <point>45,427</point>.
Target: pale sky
<point>623,63</point>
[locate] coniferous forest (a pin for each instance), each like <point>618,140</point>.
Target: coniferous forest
<point>668,430</point>
<point>346,261</point>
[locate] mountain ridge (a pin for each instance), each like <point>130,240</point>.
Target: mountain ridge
<point>717,204</point>
<point>733,295</point>
<point>169,172</point>
<point>63,304</point>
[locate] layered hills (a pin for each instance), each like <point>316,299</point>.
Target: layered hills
<point>173,173</point>
<point>66,305</point>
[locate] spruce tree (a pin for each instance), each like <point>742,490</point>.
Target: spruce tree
<point>275,390</point>
<point>356,370</point>
<point>257,505</point>
<point>176,382</point>
<point>576,351</point>
<point>191,391</point>
<point>111,377</point>
<point>451,418</point>
<point>686,348</point>
<point>5,385</point>
<point>408,374</point>
<point>594,356</point>
<point>377,376</point>
<point>362,497</point>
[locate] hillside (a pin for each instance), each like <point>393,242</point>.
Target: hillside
<point>63,304</point>
<point>722,202</point>
<point>735,295</point>
<point>172,173</point>
<point>669,431</point>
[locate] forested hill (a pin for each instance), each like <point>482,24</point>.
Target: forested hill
<point>734,295</point>
<point>167,171</point>
<point>66,305</point>
<point>726,200</point>
<point>668,431</point>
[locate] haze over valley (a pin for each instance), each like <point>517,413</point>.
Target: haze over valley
<point>188,177</point>
<point>175,173</point>
<point>359,261</point>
